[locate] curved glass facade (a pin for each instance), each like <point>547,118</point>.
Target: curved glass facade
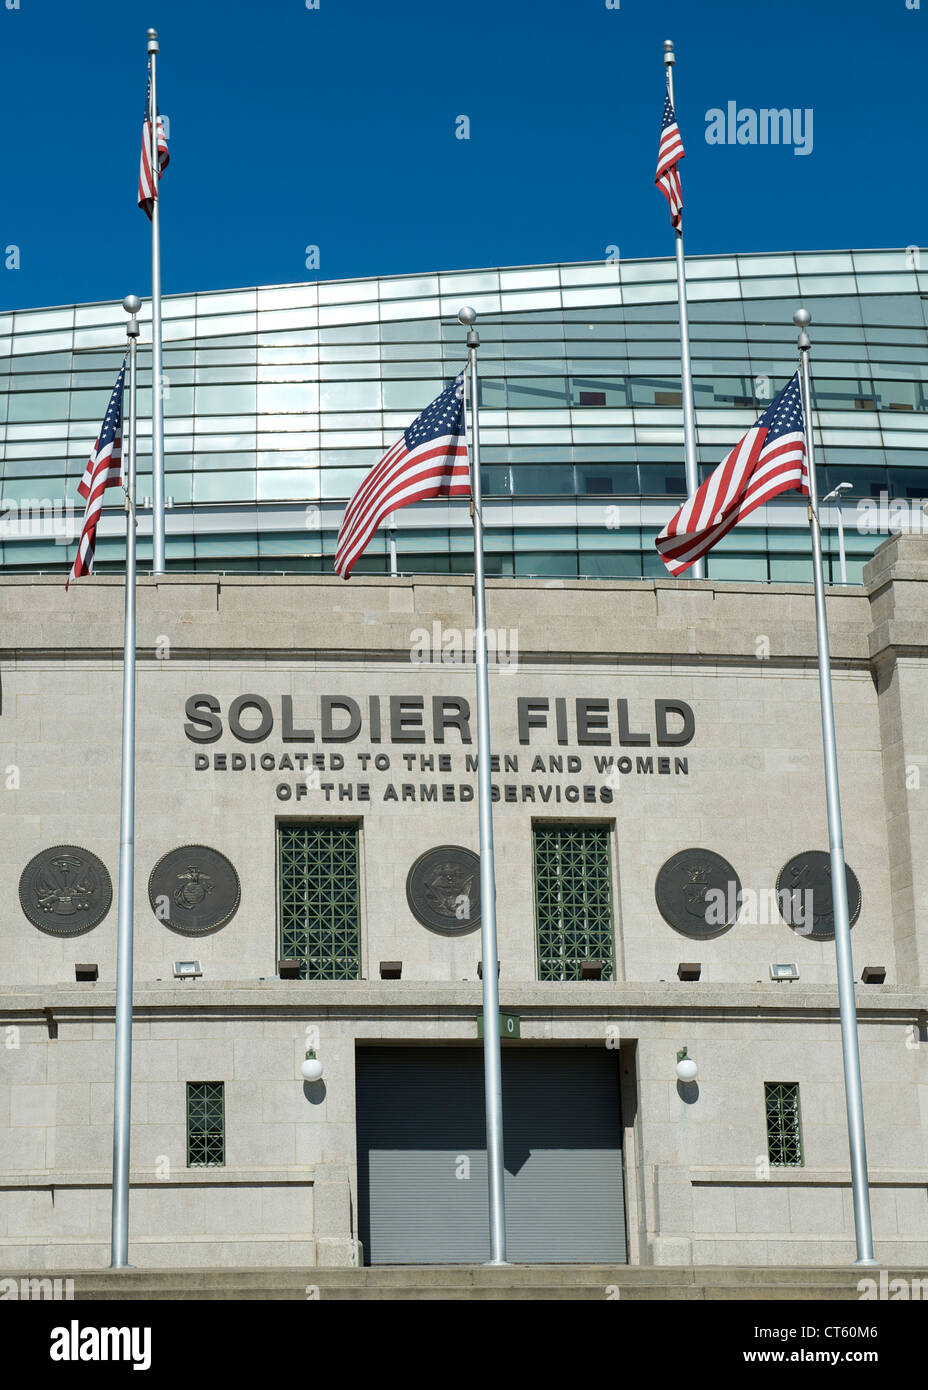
<point>278,400</point>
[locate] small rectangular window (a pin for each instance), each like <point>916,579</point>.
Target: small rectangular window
<point>206,1124</point>
<point>784,1128</point>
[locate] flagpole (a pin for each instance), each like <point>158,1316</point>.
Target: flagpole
<point>492,1063</point>
<point>122,1098</point>
<point>689,401</point>
<point>391,529</point>
<point>847,1003</point>
<point>157,404</point>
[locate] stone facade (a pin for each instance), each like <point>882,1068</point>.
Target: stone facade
<point>747,784</point>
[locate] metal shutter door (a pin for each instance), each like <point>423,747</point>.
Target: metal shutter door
<point>420,1109</point>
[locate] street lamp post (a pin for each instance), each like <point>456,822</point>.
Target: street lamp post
<point>835,496</point>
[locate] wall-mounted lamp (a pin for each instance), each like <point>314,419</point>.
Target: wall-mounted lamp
<point>686,1067</point>
<point>187,970</point>
<point>784,971</point>
<point>311,1069</point>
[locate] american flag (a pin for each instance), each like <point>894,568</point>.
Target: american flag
<point>428,460</point>
<point>770,459</point>
<point>104,469</point>
<point>669,153</point>
<point>148,190</point>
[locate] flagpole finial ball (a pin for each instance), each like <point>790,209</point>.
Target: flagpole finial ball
<point>152,33</point>
<point>467,315</point>
<point>668,45</point>
<point>132,304</point>
<point>802,318</point>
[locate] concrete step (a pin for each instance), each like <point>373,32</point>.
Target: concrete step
<point>475,1283</point>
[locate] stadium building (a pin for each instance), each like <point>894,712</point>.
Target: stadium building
<point>306,829</point>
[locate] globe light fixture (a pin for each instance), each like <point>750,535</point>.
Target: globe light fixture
<point>686,1068</point>
<point>311,1069</point>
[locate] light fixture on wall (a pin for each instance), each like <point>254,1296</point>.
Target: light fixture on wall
<point>187,970</point>
<point>784,971</point>
<point>311,1069</point>
<point>686,1067</point>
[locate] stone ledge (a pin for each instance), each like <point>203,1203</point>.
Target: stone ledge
<point>40,1179</point>
<point>462,999</point>
<point>804,1177</point>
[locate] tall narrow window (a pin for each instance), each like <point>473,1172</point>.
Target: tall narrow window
<point>784,1128</point>
<point>320,914</point>
<point>206,1124</point>
<point>573,900</point>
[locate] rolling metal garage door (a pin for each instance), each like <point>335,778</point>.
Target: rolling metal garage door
<point>421,1126</point>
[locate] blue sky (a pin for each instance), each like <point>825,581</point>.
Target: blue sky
<point>336,127</point>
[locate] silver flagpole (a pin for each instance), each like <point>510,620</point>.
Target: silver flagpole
<point>848,1007</point>
<point>157,405</point>
<point>391,528</point>
<point>689,401</point>
<point>122,1099</point>
<point>492,1065</point>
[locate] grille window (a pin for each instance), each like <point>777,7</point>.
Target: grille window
<point>573,900</point>
<point>206,1124</point>
<point>784,1130</point>
<point>320,919</point>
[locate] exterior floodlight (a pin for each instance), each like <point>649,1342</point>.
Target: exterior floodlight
<point>784,972</point>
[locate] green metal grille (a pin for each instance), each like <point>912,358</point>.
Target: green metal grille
<point>206,1124</point>
<point>573,900</point>
<point>784,1128</point>
<point>320,916</point>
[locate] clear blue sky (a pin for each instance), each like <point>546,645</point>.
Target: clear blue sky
<point>336,127</point>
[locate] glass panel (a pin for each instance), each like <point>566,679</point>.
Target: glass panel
<point>351,395</point>
<point>279,397</point>
<point>224,487</point>
<point>240,399</point>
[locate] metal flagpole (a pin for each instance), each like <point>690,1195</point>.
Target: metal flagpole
<point>391,528</point>
<point>848,1007</point>
<point>157,404</point>
<point>492,1065</point>
<point>122,1099</point>
<point>689,400</point>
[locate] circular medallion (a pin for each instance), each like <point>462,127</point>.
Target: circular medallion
<point>194,889</point>
<point>443,890</point>
<point>805,883</point>
<point>698,893</point>
<point>65,890</point>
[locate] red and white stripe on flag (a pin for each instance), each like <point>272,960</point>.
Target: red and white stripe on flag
<point>670,151</point>
<point>770,459</point>
<point>148,189</point>
<point>103,470</point>
<point>422,464</point>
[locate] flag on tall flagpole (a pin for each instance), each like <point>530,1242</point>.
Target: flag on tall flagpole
<point>148,188</point>
<point>770,459</point>
<point>669,153</point>
<point>428,460</point>
<point>104,469</point>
